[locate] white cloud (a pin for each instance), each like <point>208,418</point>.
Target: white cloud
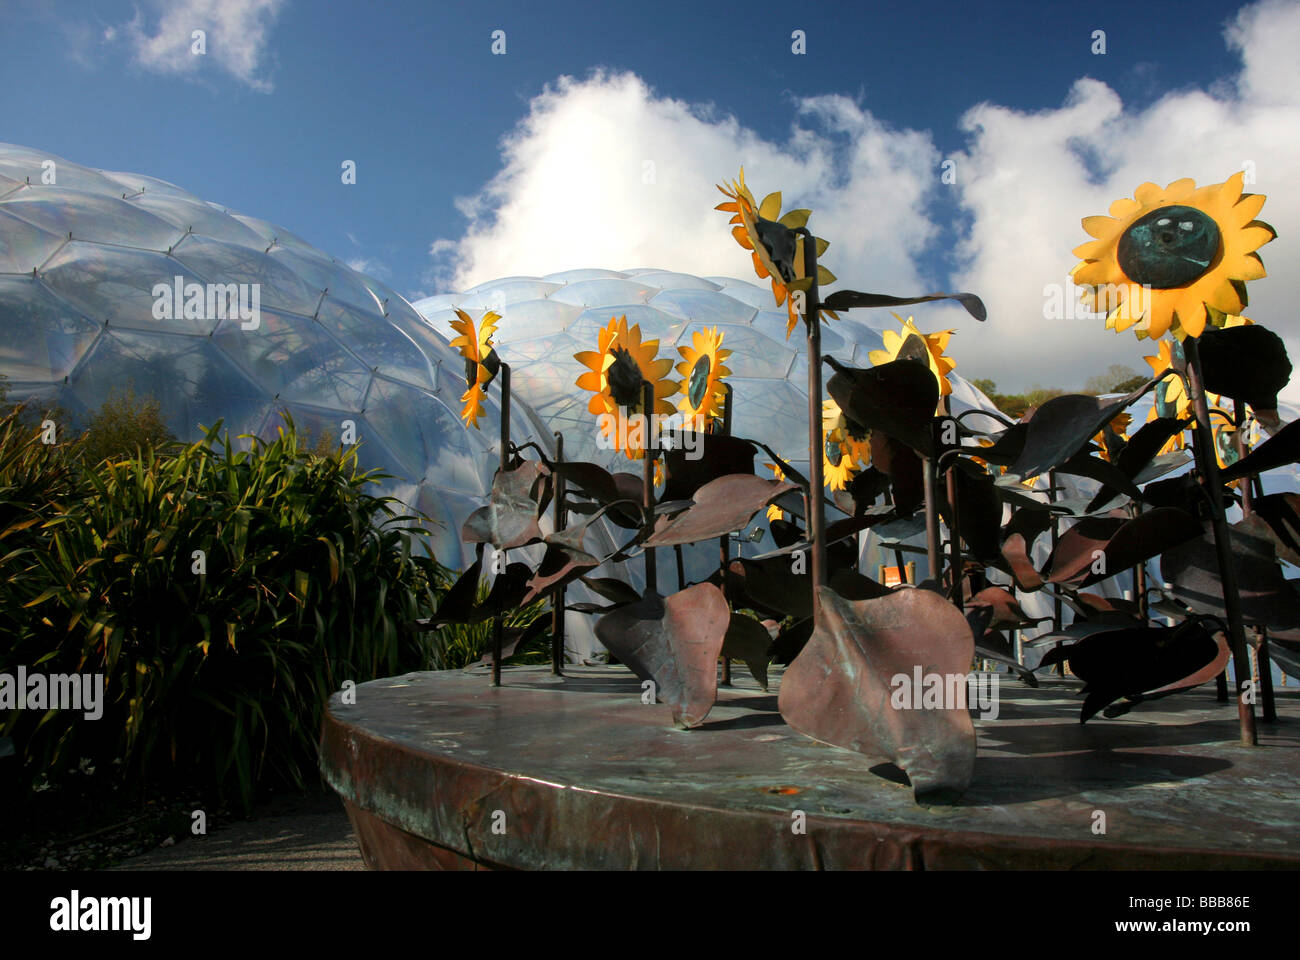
<point>1028,178</point>
<point>372,268</point>
<point>602,172</point>
<point>572,191</point>
<point>237,33</point>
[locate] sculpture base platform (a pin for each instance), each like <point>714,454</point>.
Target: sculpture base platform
<point>444,771</point>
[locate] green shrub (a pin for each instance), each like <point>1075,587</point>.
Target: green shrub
<point>225,595</point>
<point>124,425</point>
<point>457,645</point>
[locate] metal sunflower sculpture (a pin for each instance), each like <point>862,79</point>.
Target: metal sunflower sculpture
<point>1175,259</point>
<point>843,455</point>
<point>778,253</point>
<point>702,373</point>
<point>1171,399</point>
<point>773,511</point>
<point>1113,436</point>
<point>615,370</point>
<point>481,363</point>
<point>912,343</point>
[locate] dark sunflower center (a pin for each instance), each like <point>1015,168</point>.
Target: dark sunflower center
<point>1163,407</point>
<point>625,379</point>
<point>699,382</point>
<point>833,453</point>
<point>914,348</point>
<point>779,241</point>
<point>1227,448</point>
<point>1169,247</point>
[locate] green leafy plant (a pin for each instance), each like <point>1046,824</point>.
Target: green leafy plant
<point>457,645</point>
<point>223,594</point>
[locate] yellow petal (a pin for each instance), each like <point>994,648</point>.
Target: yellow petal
<point>795,219</point>
<point>1099,227</point>
<point>770,208</point>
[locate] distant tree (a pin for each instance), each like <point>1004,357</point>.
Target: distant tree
<point>1037,395</point>
<point>1117,379</point>
<point>124,424</point>
<point>1013,405</point>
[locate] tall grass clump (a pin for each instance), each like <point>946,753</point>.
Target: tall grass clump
<point>224,594</point>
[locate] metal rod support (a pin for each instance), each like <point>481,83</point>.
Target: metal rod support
<point>1203,439</point>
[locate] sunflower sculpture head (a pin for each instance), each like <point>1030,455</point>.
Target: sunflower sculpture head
<point>843,454</point>
<point>1171,399</point>
<point>702,370</point>
<point>481,363</point>
<point>926,347</point>
<point>777,250</point>
<point>615,370</point>
<point>1173,259</point>
<point>773,511</point>
<point>1113,435</point>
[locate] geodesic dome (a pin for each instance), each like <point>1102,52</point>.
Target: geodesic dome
<point>546,320</point>
<point>83,253</point>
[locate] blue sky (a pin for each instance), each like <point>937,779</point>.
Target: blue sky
<point>413,94</point>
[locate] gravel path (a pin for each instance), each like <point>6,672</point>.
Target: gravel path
<point>291,833</point>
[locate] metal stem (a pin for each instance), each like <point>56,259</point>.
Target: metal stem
<point>1056,538</point>
<point>932,551</point>
<point>557,599</point>
<point>648,482</point>
<point>954,540</point>
<point>1203,440</point>
<point>1269,711</point>
<point>498,619</point>
<point>816,474</point>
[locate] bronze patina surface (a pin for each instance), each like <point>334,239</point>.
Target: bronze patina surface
<point>441,770</point>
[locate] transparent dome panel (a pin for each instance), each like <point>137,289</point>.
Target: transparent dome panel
<point>23,246</point>
<point>292,357</point>
<point>773,325</point>
<point>279,288</point>
<point>573,276</point>
<point>186,213</point>
<point>379,344</point>
<point>752,354</point>
<point>512,290</point>
<point>194,381</point>
<point>88,216</point>
<point>446,512</point>
<point>320,273</point>
<point>328,429</point>
<point>270,232</point>
<point>705,306</point>
<point>592,293</point>
<point>151,186</point>
<point>427,306</point>
<point>534,319</point>
<point>420,430</point>
<point>30,168</point>
<point>760,298</point>
<point>677,281</point>
<point>132,288</point>
<point>771,411</point>
<point>41,337</point>
<point>654,324</point>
